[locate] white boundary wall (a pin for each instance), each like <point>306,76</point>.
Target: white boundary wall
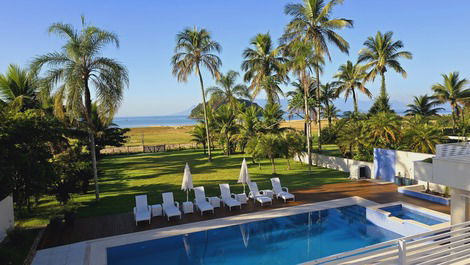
<point>7,218</point>
<point>337,163</point>
<point>404,163</point>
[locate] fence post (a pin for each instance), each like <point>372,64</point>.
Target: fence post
<point>401,252</point>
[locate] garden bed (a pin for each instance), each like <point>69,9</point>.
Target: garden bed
<point>418,191</point>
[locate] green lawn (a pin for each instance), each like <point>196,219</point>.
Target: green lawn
<point>125,176</point>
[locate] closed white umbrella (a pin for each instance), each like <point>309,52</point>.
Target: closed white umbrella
<point>187,184</point>
<point>244,177</point>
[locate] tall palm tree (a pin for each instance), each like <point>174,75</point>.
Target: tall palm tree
<point>349,78</point>
<point>311,21</point>
<point>452,90</point>
<point>382,53</point>
<point>77,69</point>
<point>301,59</point>
<point>19,87</point>
<point>423,105</point>
<point>264,67</point>
<point>228,90</point>
<point>194,49</point>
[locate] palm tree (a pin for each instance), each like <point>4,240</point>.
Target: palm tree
<point>272,118</point>
<point>452,90</point>
<point>328,94</point>
<point>381,53</point>
<point>301,59</point>
<point>79,68</point>
<point>264,68</point>
<point>249,125</point>
<point>349,78</point>
<point>330,112</point>
<point>19,87</point>
<point>424,106</point>
<point>194,49</point>
<point>199,135</point>
<point>225,124</point>
<point>384,130</point>
<point>422,137</point>
<point>228,90</point>
<point>311,22</point>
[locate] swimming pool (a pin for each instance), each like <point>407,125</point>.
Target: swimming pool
<point>406,213</point>
<point>284,240</point>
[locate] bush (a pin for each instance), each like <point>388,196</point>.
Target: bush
<point>329,135</point>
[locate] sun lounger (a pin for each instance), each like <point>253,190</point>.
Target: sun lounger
<point>201,201</point>
<point>258,196</point>
<point>142,211</point>
<point>228,198</point>
<point>281,192</point>
<point>170,207</point>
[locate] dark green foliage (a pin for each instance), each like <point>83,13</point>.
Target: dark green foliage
<point>73,172</point>
<point>28,140</point>
<point>381,104</point>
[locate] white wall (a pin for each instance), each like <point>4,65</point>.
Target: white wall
<point>337,163</point>
<point>404,165</point>
<point>423,172</point>
<point>7,219</point>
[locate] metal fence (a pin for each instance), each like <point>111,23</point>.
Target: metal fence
<point>147,148</point>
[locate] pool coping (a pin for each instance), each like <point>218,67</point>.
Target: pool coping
<point>93,252</point>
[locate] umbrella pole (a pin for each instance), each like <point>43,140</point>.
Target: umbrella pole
<point>244,188</point>
<point>187,195</point>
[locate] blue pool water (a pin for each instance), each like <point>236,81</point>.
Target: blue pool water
<point>409,214</point>
<point>285,240</point>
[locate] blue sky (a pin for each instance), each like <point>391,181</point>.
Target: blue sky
<point>435,33</point>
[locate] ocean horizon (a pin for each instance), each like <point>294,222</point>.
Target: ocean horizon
<point>160,120</point>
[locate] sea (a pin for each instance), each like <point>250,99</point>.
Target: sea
<point>145,121</point>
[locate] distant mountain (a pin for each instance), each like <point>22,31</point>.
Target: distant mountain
<point>196,112</point>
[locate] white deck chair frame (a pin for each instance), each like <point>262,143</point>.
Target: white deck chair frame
<point>201,201</point>
<point>258,195</point>
<point>228,198</point>
<point>170,206</point>
<point>142,211</point>
<point>281,192</point>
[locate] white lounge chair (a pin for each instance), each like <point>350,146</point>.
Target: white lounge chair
<point>256,195</point>
<point>228,198</point>
<point>142,211</point>
<point>170,207</point>
<point>201,201</point>
<point>281,192</point>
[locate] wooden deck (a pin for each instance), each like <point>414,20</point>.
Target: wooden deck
<point>111,225</point>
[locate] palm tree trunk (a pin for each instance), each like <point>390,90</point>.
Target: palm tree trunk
<point>307,123</point>
<point>273,165</point>
<point>453,117</point>
<point>356,111</point>
<point>319,107</point>
<point>92,139</point>
<point>383,90</point>
<point>206,122</point>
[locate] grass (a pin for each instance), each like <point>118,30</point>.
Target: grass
<point>128,175</point>
<point>157,135</point>
<point>14,252</point>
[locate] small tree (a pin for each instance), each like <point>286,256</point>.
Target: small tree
<point>199,135</point>
<point>292,143</point>
<point>265,145</point>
